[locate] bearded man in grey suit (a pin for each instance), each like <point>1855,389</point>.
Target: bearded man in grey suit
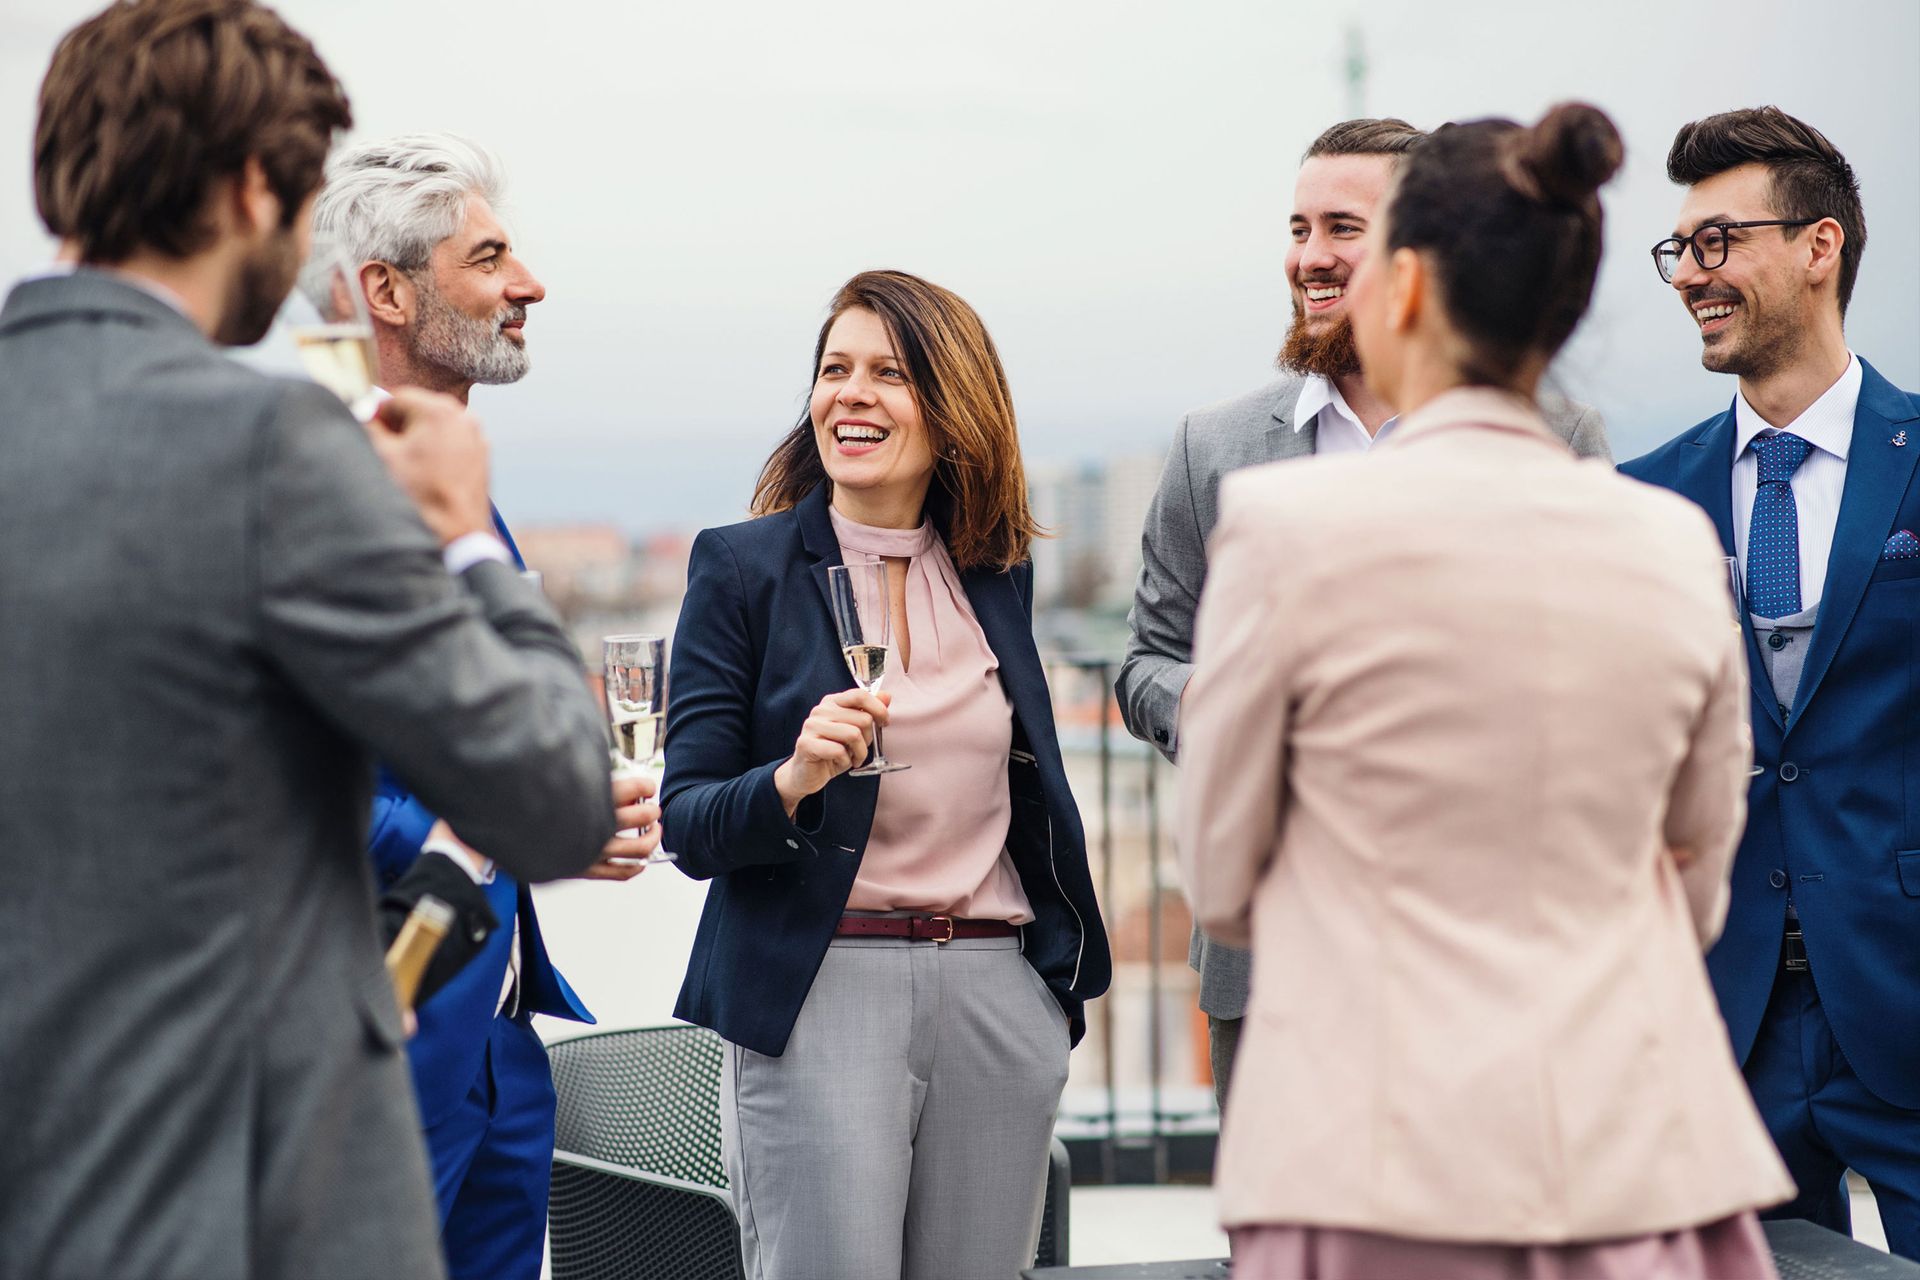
<point>216,608</point>
<point>1320,405</point>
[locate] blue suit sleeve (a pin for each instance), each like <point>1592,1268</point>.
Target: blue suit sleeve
<point>720,809</point>
<point>398,828</point>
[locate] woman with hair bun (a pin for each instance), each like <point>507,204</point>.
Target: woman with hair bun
<point>1467,772</point>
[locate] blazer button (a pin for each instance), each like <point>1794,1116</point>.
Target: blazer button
<point>1160,736</point>
<point>1775,640</point>
<point>1778,879</point>
<point>1789,771</point>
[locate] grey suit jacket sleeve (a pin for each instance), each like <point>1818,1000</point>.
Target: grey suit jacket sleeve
<point>474,697</point>
<point>1590,435</point>
<point>1159,655</point>
<point>1580,425</point>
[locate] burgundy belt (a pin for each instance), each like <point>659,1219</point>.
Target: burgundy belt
<point>923,928</point>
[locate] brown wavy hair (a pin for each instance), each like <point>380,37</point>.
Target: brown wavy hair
<point>978,499</point>
<point>148,102</point>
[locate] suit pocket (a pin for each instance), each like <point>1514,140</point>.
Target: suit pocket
<point>1909,863</point>
<point>1895,570</point>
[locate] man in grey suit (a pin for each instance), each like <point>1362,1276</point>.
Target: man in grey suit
<point>1320,405</point>
<point>216,608</point>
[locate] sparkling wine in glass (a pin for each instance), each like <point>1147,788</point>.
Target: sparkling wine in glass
<point>327,319</point>
<point>863,617</point>
<point>636,671</point>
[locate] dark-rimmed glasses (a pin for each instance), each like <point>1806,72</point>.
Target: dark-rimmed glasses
<point>1709,244</point>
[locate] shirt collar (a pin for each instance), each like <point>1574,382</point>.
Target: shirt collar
<point>1473,406</point>
<point>1316,393</point>
<point>1826,424</point>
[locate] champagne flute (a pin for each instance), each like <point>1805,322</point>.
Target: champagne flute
<point>326,316</point>
<point>863,617</point>
<point>635,668</point>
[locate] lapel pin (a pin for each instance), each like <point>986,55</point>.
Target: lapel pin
<point>1899,437</point>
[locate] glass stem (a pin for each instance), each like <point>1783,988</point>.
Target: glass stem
<point>878,756</point>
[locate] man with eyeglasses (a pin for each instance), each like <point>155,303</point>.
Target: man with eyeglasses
<point>1809,476</point>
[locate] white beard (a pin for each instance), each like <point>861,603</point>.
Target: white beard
<point>472,350</point>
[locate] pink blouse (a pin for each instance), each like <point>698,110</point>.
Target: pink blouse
<point>939,838</point>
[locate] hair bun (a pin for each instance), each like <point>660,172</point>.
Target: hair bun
<point>1565,158</point>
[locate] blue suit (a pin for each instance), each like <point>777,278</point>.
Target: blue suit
<point>482,1083</point>
<point>1833,1054</point>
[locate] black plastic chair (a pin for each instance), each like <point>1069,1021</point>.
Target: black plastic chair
<point>639,1190</point>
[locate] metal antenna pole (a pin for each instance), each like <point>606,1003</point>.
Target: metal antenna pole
<point>1356,72</point>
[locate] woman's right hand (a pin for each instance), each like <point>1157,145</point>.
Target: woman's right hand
<point>835,738</point>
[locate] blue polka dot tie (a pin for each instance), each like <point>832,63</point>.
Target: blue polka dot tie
<point>1773,536</point>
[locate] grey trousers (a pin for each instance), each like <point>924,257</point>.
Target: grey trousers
<point>903,1135</point>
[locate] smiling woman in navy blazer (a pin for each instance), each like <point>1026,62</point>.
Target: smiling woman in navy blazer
<point>898,963</point>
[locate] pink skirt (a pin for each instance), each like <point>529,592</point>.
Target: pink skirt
<point>1731,1249</point>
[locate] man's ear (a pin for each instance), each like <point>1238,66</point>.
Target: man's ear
<point>389,293</point>
<point>1825,240</point>
<point>251,199</point>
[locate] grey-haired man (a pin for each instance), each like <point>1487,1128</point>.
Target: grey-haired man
<point>416,218</point>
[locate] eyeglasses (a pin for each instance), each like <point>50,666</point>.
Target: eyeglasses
<point>1709,244</point>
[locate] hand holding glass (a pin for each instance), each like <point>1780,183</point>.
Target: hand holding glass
<point>863,617</point>
<point>635,669</point>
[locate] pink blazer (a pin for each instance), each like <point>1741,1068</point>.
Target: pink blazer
<point>1455,704</point>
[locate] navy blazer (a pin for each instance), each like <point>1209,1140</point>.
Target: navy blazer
<point>1836,814</point>
<point>754,651</point>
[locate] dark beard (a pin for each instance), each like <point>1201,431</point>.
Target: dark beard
<point>1326,350</point>
<point>259,287</point>
<point>1764,344</point>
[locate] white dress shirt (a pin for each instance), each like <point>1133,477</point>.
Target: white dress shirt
<point>1827,425</point>
<point>1340,429</point>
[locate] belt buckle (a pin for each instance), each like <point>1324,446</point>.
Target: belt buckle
<point>947,921</point>
<point>1794,951</point>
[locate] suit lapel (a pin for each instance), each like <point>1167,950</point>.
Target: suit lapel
<point>500,527</point>
<point>1878,473</point>
<point>1282,440</point>
<point>1003,619</point>
<point>1705,475</point>
<point>817,535</point>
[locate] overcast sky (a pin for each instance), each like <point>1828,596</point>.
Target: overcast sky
<point>1107,182</point>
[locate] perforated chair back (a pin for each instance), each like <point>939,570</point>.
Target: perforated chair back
<point>639,1189</point>
<point>639,1186</point>
<point>647,1099</point>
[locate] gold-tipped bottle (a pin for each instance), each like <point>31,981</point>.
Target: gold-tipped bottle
<point>420,936</point>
